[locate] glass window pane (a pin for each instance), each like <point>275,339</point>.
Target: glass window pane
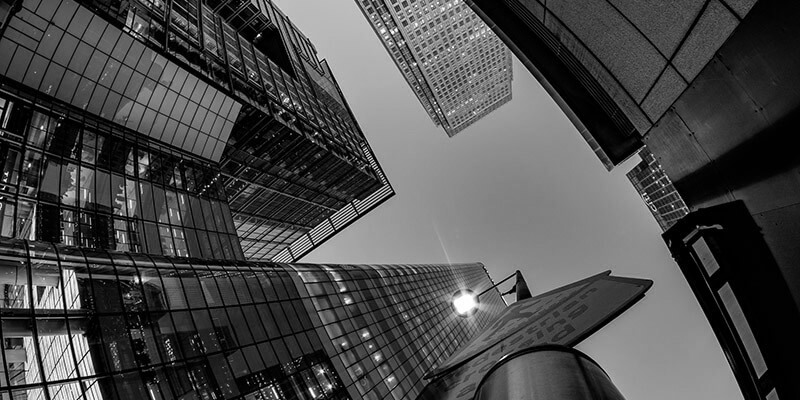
<point>153,289</point>
<point>238,320</point>
<point>743,329</point>
<point>705,256</point>
<point>186,333</point>
<point>144,340</point>
<point>223,329</point>
<point>166,336</point>
<point>206,331</point>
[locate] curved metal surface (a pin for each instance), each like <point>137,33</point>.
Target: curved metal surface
<point>551,372</point>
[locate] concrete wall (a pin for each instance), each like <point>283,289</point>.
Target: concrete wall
<point>732,134</point>
<point>644,53</point>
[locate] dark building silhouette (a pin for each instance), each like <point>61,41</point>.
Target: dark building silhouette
<point>744,294</point>
<point>710,88</point>
<point>94,324</point>
<point>172,127</point>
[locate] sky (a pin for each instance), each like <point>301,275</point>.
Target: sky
<point>520,189</point>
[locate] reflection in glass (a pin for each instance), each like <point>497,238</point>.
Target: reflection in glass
<point>85,191</point>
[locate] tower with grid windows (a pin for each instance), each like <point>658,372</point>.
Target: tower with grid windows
<point>455,65</point>
<point>388,325</point>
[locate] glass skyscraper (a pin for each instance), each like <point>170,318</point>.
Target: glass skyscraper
<point>388,325</point>
<point>177,128</point>
<point>456,66</point>
<point>657,190</point>
<point>93,324</point>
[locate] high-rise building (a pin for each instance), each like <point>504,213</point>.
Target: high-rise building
<point>458,69</point>
<point>709,88</point>
<point>391,324</point>
<point>172,127</point>
<point>657,191</point>
<point>95,324</point>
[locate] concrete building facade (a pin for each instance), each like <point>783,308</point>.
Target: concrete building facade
<point>456,66</point>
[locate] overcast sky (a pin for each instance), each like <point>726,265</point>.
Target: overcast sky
<point>520,189</point>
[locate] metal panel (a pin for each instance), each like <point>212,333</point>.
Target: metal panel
<point>782,235</point>
<point>547,372</point>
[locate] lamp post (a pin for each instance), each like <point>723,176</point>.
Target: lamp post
<point>465,302</point>
<point>514,356</point>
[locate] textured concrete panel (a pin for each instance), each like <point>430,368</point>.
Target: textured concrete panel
<point>764,60</point>
<point>675,147</point>
<point>617,44</point>
<point>601,75</point>
<point>771,193</point>
<point>711,31</point>
<point>534,7</point>
<point>781,229</point>
<point>718,112</point>
<point>668,87</point>
<point>665,23</point>
<point>741,7</point>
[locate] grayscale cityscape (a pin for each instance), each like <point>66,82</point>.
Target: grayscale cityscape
<point>254,199</point>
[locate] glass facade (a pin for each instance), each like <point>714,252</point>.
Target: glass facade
<point>64,50</point>
<point>390,324</point>
<point>82,324</point>
<point>70,181</point>
<point>234,84</point>
<point>657,190</point>
<point>138,140</point>
<point>92,324</point>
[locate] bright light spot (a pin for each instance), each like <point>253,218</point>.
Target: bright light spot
<point>465,302</point>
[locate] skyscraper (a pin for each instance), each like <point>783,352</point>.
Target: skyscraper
<point>709,88</point>
<point>458,69</point>
<point>94,324</point>
<point>657,191</point>
<point>389,325</point>
<point>174,127</point>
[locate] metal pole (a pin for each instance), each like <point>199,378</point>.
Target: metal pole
<point>517,273</point>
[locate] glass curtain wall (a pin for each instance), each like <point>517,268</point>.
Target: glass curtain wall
<point>390,324</point>
<point>71,182</point>
<point>85,324</point>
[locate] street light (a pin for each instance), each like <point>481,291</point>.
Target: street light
<point>465,302</point>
